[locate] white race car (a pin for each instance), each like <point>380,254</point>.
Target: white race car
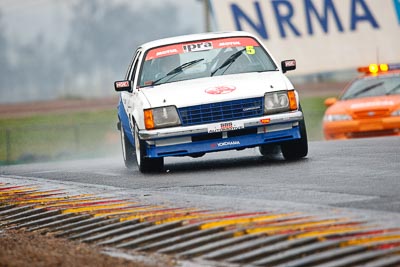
<point>194,94</point>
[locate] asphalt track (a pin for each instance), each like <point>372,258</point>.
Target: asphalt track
<point>362,174</point>
<point>356,181</point>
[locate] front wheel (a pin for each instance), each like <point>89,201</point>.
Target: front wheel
<point>128,151</point>
<point>296,149</point>
<point>144,163</point>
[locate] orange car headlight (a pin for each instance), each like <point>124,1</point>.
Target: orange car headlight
<point>148,119</point>
<point>161,117</point>
<point>337,117</point>
<point>396,113</point>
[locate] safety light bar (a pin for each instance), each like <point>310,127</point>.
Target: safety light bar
<point>375,68</point>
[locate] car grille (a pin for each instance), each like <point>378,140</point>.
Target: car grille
<point>368,114</point>
<point>222,111</point>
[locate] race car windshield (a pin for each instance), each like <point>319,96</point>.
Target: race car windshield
<point>202,59</point>
<point>373,86</point>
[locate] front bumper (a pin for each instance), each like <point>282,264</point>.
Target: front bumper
<point>192,140</point>
<point>295,116</point>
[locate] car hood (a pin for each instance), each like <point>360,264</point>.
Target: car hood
<point>215,89</point>
<point>354,107</point>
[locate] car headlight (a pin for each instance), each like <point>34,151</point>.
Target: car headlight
<point>280,101</point>
<point>337,117</point>
<point>396,113</point>
<point>161,117</point>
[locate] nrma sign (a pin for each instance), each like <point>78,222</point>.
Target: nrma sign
<point>323,35</point>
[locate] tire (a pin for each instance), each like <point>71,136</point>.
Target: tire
<point>296,149</point>
<point>128,151</point>
<point>269,150</point>
<point>145,164</point>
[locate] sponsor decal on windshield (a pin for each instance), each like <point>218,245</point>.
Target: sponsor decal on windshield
<point>163,52</point>
<point>181,48</point>
<point>197,47</point>
<point>230,44</point>
<point>167,52</point>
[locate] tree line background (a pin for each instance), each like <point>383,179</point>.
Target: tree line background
<point>102,38</point>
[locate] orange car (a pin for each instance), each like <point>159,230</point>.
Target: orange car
<point>369,106</point>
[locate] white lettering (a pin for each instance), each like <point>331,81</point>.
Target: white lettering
<point>372,104</point>
<point>230,143</point>
<point>225,129</point>
<point>229,43</point>
<point>166,52</point>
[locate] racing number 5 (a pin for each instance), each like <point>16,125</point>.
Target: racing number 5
<point>250,50</point>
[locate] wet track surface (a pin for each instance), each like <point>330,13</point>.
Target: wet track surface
<point>338,207</point>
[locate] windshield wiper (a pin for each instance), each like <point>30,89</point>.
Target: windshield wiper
<point>394,89</point>
<point>178,70</point>
<point>366,89</point>
<point>229,61</point>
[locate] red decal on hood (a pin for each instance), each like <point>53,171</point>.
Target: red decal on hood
<point>218,90</point>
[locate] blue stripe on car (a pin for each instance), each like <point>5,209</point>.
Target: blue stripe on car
<point>215,145</point>
<point>123,116</point>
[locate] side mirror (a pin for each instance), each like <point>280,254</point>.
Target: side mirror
<point>330,101</point>
<point>121,86</point>
<point>288,65</point>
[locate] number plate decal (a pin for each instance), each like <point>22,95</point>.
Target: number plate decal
<point>225,126</point>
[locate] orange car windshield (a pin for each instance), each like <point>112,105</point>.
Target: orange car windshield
<point>373,86</point>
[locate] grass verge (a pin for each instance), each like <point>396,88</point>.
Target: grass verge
<point>314,108</point>
<point>58,136</point>
<point>90,134</point>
